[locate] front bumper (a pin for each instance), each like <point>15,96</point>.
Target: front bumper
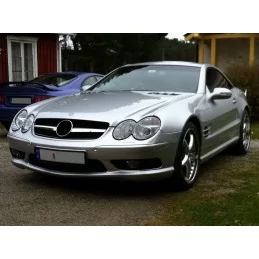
<point>165,152</point>
<point>122,174</point>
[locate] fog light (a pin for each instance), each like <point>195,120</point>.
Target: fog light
<point>137,164</point>
<point>17,154</point>
<point>132,164</point>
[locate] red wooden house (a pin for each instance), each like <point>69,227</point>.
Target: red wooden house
<point>25,56</point>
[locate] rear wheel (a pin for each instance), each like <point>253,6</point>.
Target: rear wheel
<point>6,125</point>
<point>243,144</point>
<point>187,158</point>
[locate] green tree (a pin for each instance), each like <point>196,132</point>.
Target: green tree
<point>104,52</point>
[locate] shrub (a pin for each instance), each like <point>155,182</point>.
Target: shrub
<point>247,78</point>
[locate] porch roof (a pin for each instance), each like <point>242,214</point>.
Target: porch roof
<point>207,36</point>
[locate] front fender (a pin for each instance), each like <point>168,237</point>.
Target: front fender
<point>174,117</point>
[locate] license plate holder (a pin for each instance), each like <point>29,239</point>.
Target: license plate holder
<point>21,100</point>
<point>60,156</point>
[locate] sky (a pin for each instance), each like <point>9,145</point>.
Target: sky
<point>175,35</point>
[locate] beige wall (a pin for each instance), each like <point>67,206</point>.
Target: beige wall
<point>256,51</point>
<point>231,52</point>
<point>207,51</point>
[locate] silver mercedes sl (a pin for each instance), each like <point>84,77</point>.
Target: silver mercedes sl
<point>158,119</point>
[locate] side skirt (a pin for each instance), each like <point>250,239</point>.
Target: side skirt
<point>219,149</point>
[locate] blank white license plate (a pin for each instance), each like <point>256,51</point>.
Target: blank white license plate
<point>21,100</point>
<point>70,157</point>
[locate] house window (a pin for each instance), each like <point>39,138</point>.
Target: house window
<point>22,58</point>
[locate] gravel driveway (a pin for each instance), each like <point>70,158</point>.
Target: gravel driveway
<point>27,198</point>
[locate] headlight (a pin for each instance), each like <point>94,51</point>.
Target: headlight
<point>28,123</point>
<point>146,128</point>
<point>124,129</point>
<point>19,120</point>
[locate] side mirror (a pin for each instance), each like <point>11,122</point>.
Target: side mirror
<point>85,88</point>
<point>220,93</point>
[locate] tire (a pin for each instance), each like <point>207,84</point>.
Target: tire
<point>6,125</point>
<point>186,166</point>
<point>243,144</point>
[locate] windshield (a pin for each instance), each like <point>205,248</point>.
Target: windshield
<point>151,78</point>
<point>54,79</point>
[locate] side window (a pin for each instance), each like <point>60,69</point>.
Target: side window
<point>89,81</point>
<point>215,79</point>
<point>98,77</point>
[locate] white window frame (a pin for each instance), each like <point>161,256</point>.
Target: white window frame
<point>59,57</point>
<point>18,39</point>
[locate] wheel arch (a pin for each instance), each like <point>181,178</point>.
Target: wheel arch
<point>247,109</point>
<point>195,120</point>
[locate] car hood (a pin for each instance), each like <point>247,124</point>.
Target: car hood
<point>111,107</point>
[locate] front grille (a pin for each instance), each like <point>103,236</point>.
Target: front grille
<point>91,166</point>
<point>81,129</point>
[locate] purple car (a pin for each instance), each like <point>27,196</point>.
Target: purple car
<point>16,95</point>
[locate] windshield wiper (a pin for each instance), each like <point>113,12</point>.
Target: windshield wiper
<point>163,93</point>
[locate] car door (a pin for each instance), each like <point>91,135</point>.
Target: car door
<point>220,117</point>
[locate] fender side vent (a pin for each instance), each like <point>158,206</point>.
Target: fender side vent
<point>206,131</point>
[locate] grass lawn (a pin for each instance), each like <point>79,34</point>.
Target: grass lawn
<point>226,193</point>
<point>255,130</point>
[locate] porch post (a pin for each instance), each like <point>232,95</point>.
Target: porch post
<point>251,51</point>
<point>213,51</point>
<point>201,51</point>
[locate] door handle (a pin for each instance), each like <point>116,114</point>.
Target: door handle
<point>234,100</point>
